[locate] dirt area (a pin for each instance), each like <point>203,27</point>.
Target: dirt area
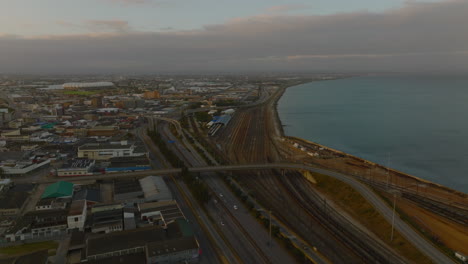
<point>453,235</point>
<point>107,192</point>
<point>33,199</point>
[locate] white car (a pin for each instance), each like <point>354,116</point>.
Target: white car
<point>235,207</point>
<point>220,195</point>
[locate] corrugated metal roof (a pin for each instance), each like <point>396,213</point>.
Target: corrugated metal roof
<point>154,188</point>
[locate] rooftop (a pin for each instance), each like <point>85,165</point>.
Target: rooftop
<point>97,146</point>
<point>58,189</point>
<point>131,239</point>
<point>78,163</point>
<point>159,248</point>
<point>77,207</point>
<point>127,186</point>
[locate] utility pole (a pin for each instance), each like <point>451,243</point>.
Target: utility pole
<point>270,227</point>
<point>388,172</point>
<point>393,215</point>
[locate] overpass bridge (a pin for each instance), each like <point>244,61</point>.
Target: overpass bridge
<point>421,243</point>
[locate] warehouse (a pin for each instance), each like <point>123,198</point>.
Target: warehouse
<point>128,191</point>
<point>130,164</point>
<point>155,189</point>
<point>154,241</point>
<point>61,189</point>
<point>76,167</point>
<point>107,151</point>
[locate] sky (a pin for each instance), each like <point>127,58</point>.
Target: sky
<point>151,36</point>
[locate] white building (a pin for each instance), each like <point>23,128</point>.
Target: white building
<point>107,151</point>
<point>77,215</point>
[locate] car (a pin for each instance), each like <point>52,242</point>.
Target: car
<point>222,223</point>
<point>235,207</point>
<point>220,195</point>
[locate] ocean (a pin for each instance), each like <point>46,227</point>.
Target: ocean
<point>414,124</point>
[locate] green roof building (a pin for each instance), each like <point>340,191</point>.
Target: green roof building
<point>58,189</point>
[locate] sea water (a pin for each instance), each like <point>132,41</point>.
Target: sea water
<point>414,124</point>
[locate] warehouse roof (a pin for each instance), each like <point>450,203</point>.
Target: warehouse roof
<point>58,189</point>
<point>130,239</point>
<point>154,188</point>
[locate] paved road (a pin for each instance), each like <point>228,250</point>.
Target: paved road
<point>223,221</point>
<point>421,243</point>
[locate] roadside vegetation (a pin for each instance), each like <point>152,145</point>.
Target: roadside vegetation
<point>203,117</point>
<point>28,248</point>
<point>357,206</point>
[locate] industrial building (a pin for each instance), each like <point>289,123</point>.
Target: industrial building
<point>22,167</point>
<point>217,123</point>
<point>155,189</point>
<point>160,213</point>
<point>148,189</point>
<point>128,191</point>
<point>77,215</point>
<point>173,244</point>
<point>107,151</point>
<point>38,224</point>
<point>76,167</point>
<point>106,221</point>
<point>61,189</point>
<point>88,85</point>
<point>128,164</point>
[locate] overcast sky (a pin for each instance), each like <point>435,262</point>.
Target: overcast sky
<point>151,36</point>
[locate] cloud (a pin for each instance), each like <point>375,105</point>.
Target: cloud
<point>106,26</point>
<point>130,2</point>
<point>420,37</point>
<point>159,3</point>
<point>286,8</point>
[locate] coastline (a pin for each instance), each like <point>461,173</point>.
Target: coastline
<point>281,134</point>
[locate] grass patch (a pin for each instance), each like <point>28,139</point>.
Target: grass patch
<point>28,248</point>
<point>84,93</point>
<point>352,202</point>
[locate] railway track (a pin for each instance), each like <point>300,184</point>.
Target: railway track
<point>195,160</point>
<point>359,242</point>
<point>452,213</point>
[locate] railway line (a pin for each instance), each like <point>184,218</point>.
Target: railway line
<point>455,213</point>
<point>367,248</point>
<point>250,141</point>
<point>243,240</point>
<point>250,138</point>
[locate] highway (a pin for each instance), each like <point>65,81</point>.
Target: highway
<point>238,226</point>
<point>421,243</point>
